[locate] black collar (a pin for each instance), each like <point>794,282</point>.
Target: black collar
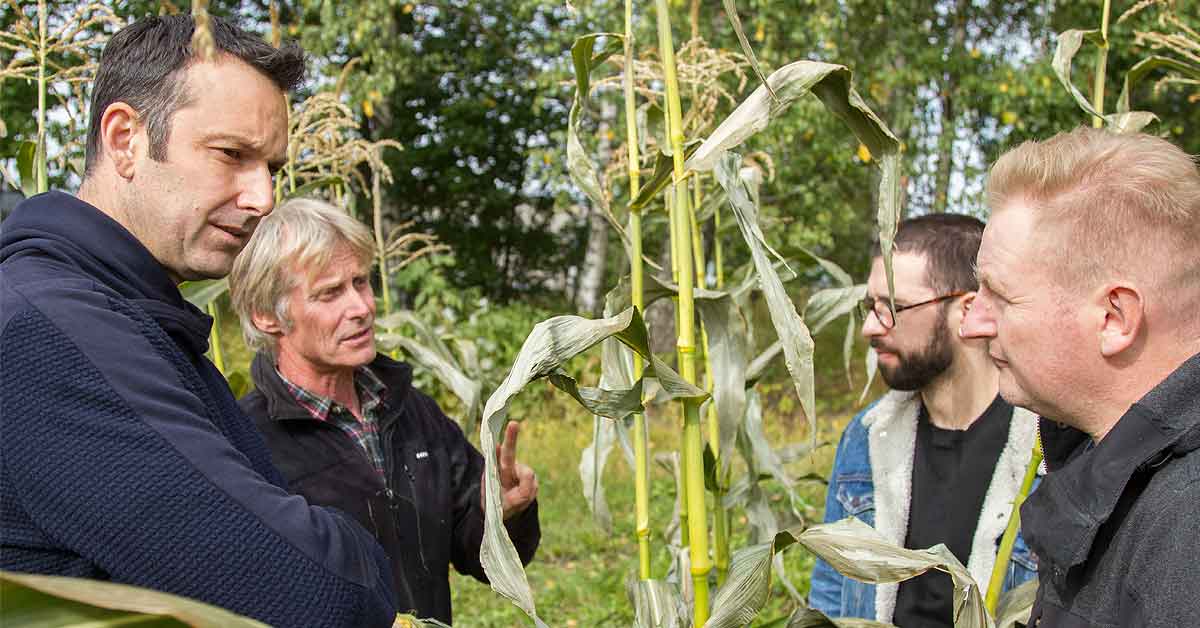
<point>1064,514</point>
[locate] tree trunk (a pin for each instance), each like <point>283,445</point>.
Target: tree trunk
<point>945,163</point>
<point>591,281</point>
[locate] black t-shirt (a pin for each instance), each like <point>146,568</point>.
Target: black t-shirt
<point>952,470</point>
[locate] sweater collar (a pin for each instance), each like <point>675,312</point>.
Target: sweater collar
<point>60,226</point>
<point>1086,483</point>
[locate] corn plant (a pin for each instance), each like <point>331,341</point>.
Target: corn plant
<point>558,339</point>
<point>56,51</point>
<point>1182,64</point>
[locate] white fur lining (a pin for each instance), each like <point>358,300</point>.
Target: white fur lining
<point>891,437</point>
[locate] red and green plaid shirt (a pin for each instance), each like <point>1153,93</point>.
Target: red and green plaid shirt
<point>365,432</point>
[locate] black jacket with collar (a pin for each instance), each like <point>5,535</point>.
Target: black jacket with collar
<point>1116,526</point>
<point>428,514</point>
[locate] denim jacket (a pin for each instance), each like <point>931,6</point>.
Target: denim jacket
<point>879,495</point>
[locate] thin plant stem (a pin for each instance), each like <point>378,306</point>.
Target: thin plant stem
<point>693,439</point>
<point>381,246</point>
<point>1101,67</point>
<point>215,336</point>
<point>43,182</point>
<point>641,483</point>
<point>1004,555</point>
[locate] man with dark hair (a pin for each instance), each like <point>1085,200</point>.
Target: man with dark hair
<point>124,454</point>
<point>940,458</point>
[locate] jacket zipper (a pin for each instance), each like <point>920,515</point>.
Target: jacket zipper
<point>390,457</point>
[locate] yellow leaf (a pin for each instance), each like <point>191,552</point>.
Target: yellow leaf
<point>407,8</point>
<point>1008,117</point>
<point>368,108</point>
<point>1045,82</point>
<point>759,32</point>
<point>864,153</point>
<point>1004,88</point>
<point>374,95</point>
<point>975,53</point>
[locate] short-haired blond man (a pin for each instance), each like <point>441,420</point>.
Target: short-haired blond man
<point>1089,298</point>
<point>345,424</point>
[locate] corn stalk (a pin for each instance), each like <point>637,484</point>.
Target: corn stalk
<point>641,483</point>
<point>693,442</point>
<point>1004,554</point>
<point>45,56</point>
<point>1101,66</point>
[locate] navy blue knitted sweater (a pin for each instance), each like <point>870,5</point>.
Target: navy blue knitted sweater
<point>123,454</point>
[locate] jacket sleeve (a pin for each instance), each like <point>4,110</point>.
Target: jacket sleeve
<point>825,593</point>
<point>467,465</point>
<point>112,454</point>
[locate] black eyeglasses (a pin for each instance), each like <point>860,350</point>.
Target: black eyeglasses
<point>884,314</point>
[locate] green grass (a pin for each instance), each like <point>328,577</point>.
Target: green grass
<point>579,573</point>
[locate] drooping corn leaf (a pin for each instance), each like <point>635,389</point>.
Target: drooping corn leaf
<point>612,404</point>
<point>656,604</point>
<point>425,334</point>
<point>758,454</point>
<point>829,304</point>
<point>549,345</point>
<point>856,550</point>
<point>1069,43</point>
<point>582,169</point>
<point>202,293</point>
<point>36,601</point>
<point>616,371</point>
<point>1147,65</point>
<point>727,337</point>
<point>839,275</point>
<point>831,84</point>
<point>848,346</point>
<point>467,389</point>
<point>736,21</point>
<point>27,157</point>
<point>872,363</point>
<point>805,617</point>
<point>797,341</point>
<point>1016,604</point>
<point>759,364</point>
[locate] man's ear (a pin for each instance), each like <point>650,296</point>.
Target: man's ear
<point>962,305</point>
<point>1124,315</point>
<point>120,137</point>
<point>267,324</point>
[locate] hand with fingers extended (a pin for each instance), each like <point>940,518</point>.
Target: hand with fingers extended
<point>518,483</point>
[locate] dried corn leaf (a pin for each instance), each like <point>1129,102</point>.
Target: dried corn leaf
<point>1069,43</point>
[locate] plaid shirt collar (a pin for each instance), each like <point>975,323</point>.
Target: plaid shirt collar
<point>370,388</point>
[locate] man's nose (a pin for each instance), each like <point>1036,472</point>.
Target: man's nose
<point>978,321</point>
<point>871,326</point>
<point>258,193</point>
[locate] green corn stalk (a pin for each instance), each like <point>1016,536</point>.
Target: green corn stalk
<point>43,183</point>
<point>720,513</point>
<point>215,336</point>
<point>641,484</point>
<point>1101,66</point>
<point>692,440</point>
<point>1004,555</point>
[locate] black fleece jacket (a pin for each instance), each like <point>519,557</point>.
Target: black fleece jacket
<point>1116,526</point>
<point>427,515</point>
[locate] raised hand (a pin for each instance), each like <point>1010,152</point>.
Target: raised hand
<point>518,483</point>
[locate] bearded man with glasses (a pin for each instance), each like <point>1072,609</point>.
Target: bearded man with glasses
<point>940,457</point>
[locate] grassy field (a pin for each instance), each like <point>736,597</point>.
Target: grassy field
<point>579,573</point>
